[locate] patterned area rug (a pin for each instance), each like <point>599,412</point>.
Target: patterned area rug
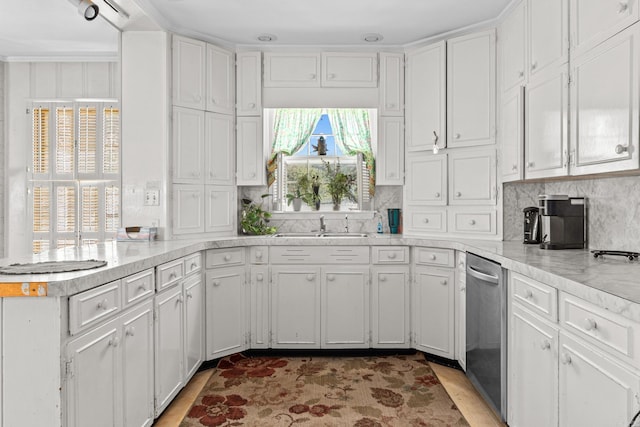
<point>324,391</point>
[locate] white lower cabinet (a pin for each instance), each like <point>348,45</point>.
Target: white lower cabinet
<point>295,306</point>
<point>533,370</point>
<point>390,310</point>
<point>194,324</point>
<point>344,307</point>
<point>433,320</point>
<point>259,314</point>
<point>226,324</point>
<point>594,390</point>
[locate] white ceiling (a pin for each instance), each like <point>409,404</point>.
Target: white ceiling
<point>53,28</point>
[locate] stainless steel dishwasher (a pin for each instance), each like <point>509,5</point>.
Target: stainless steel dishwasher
<point>486,346</point>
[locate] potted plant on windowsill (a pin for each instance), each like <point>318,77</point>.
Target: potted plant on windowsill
<point>309,188</point>
<point>295,199</point>
<point>339,184</point>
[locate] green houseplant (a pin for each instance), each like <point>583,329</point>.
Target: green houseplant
<point>339,184</point>
<point>254,218</point>
<point>309,188</point>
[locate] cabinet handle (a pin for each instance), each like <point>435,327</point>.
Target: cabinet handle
<point>331,277</point>
<point>197,98</point>
<point>194,265</point>
<point>383,278</point>
<point>463,288</point>
<point>437,195</point>
<point>545,345</point>
<point>113,342</point>
<point>458,194</point>
<point>472,222</point>
<point>130,331</point>
<point>312,76</point>
<point>180,299</point>
<point>216,283</point>
<point>514,167</point>
<point>443,282</point>
<point>331,76</point>
<point>534,65</point>
<point>252,175</point>
<point>251,105</point>
<point>104,304</point>
<point>227,257</point>
<point>391,174</point>
<point>590,324</point>
<point>520,73</point>
<point>213,101</point>
<point>530,165</point>
<point>259,277</point>
<point>426,220</point>
<point>623,6</point>
<point>172,275</point>
<point>391,105</point>
<point>457,136</point>
<point>432,257</point>
<point>189,294</point>
<point>212,175</point>
<point>528,294</point>
<point>310,277</point>
<point>142,288</point>
<point>565,359</point>
<point>621,149</point>
<point>259,254</point>
<point>392,255</point>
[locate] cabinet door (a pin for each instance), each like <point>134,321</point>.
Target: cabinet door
<point>391,84</point>
<point>93,387</point>
<point>460,307</point>
<point>291,69</point>
<point>593,390</point>
<point>220,80</point>
<point>344,309</point>
<point>251,161</point>
<point>137,366</point>
<point>349,69</point>
<point>194,324</point>
<point>390,159</point>
<point>188,72</point>
<point>471,87</point>
<point>220,209</point>
<point>472,177</point>
<point>249,84</point>
<point>533,371</point>
<point>225,299</point>
<point>512,135</point>
<point>219,149</point>
<point>188,146</point>
<point>390,309</point>
<point>433,301</point>
<point>295,307</point>
<point>604,131</point>
<point>592,22</point>
<point>259,306</point>
<point>513,51</point>
<point>188,209</point>
<point>169,345</point>
<point>548,35</point>
<point>546,115</point>
<point>426,97</point>
<point>426,179</point>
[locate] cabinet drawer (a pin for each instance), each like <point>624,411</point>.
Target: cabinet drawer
<point>390,254</point>
<point>472,222</point>
<point>609,331</point>
<point>138,287</point>
<point>192,264</point>
<point>432,256</point>
<point>169,273</point>
<point>537,297</point>
<point>225,257</point>
<point>427,221</point>
<point>90,307</point>
<point>319,254</point>
<point>259,255</point>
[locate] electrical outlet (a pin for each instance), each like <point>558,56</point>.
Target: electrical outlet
<point>152,197</point>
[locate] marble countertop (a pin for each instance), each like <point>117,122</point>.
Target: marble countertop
<point>574,271</point>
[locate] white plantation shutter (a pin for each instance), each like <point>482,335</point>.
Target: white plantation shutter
<point>40,246</point>
<point>111,209</point>
<point>40,140</point>
<point>65,243</point>
<point>90,209</point>
<point>64,141</point>
<point>87,139</point>
<point>41,209</point>
<point>111,140</point>
<point>65,209</point>
<point>364,197</point>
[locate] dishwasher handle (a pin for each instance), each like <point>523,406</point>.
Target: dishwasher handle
<point>489,278</point>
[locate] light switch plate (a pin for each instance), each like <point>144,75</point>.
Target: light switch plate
<point>152,197</point>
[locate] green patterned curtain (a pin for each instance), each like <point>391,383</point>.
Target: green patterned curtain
<point>292,129</point>
<point>352,131</point>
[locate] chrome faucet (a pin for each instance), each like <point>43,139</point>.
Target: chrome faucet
<point>323,227</point>
<point>346,220</point>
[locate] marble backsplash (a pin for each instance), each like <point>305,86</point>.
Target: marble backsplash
<point>613,208</point>
<point>385,197</point>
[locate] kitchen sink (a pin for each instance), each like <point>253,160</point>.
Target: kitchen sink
<point>322,235</point>
<point>308,234</point>
<point>332,235</point>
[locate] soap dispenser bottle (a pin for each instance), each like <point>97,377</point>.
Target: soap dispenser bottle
<point>379,224</point>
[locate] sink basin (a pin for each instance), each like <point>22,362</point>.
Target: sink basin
<point>315,234</point>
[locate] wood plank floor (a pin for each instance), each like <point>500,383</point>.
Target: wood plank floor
<point>472,406</point>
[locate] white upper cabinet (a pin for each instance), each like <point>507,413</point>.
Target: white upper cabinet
<point>426,97</point>
<point>546,120</point>
<point>426,179</point>
<point>390,159</point>
<point>594,21</point>
<point>220,208</point>
<point>349,69</point>
<point>291,69</point>
<point>471,89</point>
<point>219,149</point>
<point>188,145</point>
<point>604,105</point>
<point>188,208</point>
<point>391,84</point>
<point>548,35</point>
<point>249,84</point>
<point>513,53</point>
<point>251,158</point>
<point>220,80</point>
<point>512,134</point>
<point>472,177</point>
<point>188,72</point>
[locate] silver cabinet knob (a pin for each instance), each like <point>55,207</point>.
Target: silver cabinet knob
<point>514,167</point>
<point>331,277</point>
<point>472,222</point>
<point>426,220</point>
<point>310,277</point>
<point>383,278</point>
<point>227,257</point>
<point>216,283</point>
<point>590,324</point>
<point>534,65</point>
<point>103,305</point>
<point>458,194</point>
<point>259,277</point>
<point>437,195</point>
<point>530,164</point>
<point>521,73</point>
<point>528,294</point>
<point>545,345</point>
<point>623,6</point>
<point>114,342</point>
<point>392,255</point>
<point>432,257</point>
<point>251,105</point>
<point>457,136</point>
<point>443,282</point>
<point>312,76</point>
<point>130,331</point>
<point>565,359</point>
<point>258,254</point>
<point>621,149</point>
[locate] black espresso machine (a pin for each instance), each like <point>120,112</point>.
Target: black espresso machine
<point>563,221</point>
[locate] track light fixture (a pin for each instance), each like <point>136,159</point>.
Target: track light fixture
<point>88,9</point>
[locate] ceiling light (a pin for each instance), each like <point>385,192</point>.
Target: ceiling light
<point>88,9</point>
<point>372,37</point>
<point>267,38</point>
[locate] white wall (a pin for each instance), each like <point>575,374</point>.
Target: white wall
<point>26,82</point>
<point>145,57</point>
